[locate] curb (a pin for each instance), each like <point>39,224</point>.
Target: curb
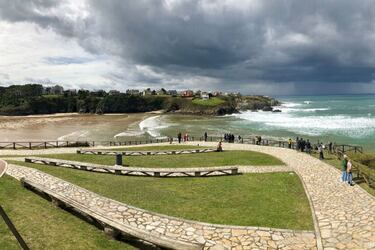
<point>4,168</point>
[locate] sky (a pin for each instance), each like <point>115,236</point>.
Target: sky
<point>273,47</point>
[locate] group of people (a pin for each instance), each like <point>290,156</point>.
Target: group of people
<point>184,138</point>
<point>346,167</point>
<point>301,145</point>
<point>229,137</point>
<point>306,146</point>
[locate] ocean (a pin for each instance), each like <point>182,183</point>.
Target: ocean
<point>344,119</point>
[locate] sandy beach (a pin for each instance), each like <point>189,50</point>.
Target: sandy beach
<point>71,126</point>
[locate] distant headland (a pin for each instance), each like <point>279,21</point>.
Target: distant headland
<point>33,99</point>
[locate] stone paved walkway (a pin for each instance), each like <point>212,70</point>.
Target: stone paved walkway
<point>212,236</point>
<point>345,215</point>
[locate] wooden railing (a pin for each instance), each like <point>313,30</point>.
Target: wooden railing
<point>62,144</point>
<point>344,148</point>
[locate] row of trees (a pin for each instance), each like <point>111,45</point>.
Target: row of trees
<point>29,99</point>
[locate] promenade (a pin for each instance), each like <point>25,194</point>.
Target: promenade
<point>344,216</point>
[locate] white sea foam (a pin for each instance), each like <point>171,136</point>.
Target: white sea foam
<point>76,135</point>
<point>153,125</point>
<point>291,110</point>
<point>312,125</point>
<point>290,104</point>
<point>129,133</point>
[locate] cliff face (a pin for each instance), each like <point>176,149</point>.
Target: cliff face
<point>220,105</point>
<point>255,103</point>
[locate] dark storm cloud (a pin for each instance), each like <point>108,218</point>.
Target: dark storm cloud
<point>44,13</point>
<point>320,43</point>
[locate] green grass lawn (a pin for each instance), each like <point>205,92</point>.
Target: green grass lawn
<point>212,102</point>
<point>331,159</point>
<point>45,227</point>
<point>225,158</point>
<point>269,200</point>
<point>155,148</point>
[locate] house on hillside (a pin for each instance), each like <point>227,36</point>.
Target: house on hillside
<point>187,93</point>
<point>54,90</point>
<point>172,92</point>
<point>57,90</point>
<point>132,92</point>
<point>70,92</point>
<point>147,92</point>
<point>217,93</point>
<point>114,92</point>
<point>205,95</point>
<point>162,92</point>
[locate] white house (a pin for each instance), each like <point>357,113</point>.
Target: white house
<point>205,96</point>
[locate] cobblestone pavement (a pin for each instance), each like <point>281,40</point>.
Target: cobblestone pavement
<point>212,236</point>
<point>345,215</point>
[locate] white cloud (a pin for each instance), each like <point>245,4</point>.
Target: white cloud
<point>25,47</point>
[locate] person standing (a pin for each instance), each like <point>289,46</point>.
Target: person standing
<point>344,166</point>
<point>179,136</point>
<point>297,144</point>
<point>320,150</point>
<point>349,173</point>
<point>290,143</point>
<point>302,145</point>
<point>308,147</point>
<point>205,136</point>
<point>330,147</point>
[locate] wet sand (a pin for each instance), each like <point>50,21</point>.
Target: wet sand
<point>69,126</point>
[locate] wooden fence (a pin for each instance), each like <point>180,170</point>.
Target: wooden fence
<point>64,144</point>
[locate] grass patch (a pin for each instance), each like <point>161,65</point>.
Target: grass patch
<point>270,200</point>
<point>332,160</point>
<point>212,102</point>
<point>226,158</point>
<point>155,148</point>
<point>45,227</point>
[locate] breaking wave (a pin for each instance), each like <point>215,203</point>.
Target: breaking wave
<point>76,135</point>
<point>312,125</point>
<point>152,126</point>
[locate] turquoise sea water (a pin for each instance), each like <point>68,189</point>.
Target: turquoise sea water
<point>346,119</point>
